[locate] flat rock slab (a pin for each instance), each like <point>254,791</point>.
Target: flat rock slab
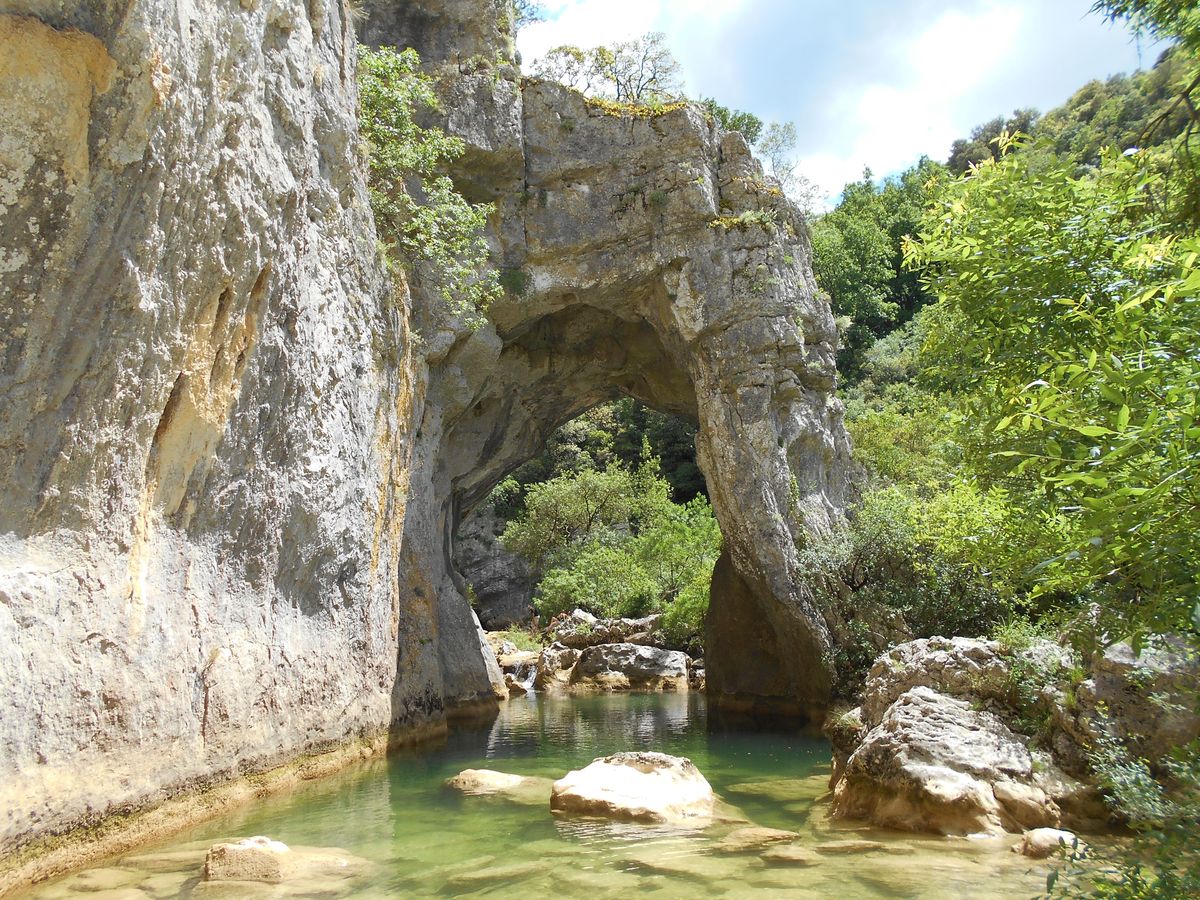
<point>790,855</point>
<point>849,846</point>
<point>742,839</point>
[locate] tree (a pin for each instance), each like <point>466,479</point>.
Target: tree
<point>525,12</point>
<point>747,124</point>
<point>982,143</point>
<point>1067,326</point>
<point>777,147</point>
<point>639,71</point>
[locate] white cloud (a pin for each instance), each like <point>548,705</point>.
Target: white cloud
<point>891,124</point>
<point>589,23</point>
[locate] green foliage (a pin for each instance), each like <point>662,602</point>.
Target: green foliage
<point>982,144</point>
<point>613,543</point>
<point>1077,389</point>
<point>858,260</point>
<point>522,639</point>
<point>1138,110</point>
<point>749,125</point>
<point>420,216</point>
<point>572,511</point>
<point>604,580</point>
<point>1163,862</point>
<point>524,12</point>
<point>915,563</point>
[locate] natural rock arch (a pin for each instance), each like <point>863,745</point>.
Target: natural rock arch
<point>656,262</point>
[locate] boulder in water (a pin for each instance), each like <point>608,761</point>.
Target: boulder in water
<point>1042,843</point>
<point>638,787</point>
<point>250,859</point>
<point>630,667</point>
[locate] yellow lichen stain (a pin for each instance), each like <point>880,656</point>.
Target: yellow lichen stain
<point>193,419</point>
<point>48,80</point>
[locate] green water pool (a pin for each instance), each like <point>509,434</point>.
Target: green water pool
<point>422,839</point>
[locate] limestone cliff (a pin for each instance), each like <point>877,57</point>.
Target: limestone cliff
<point>230,477</point>
<point>208,408</point>
<point>647,256</point>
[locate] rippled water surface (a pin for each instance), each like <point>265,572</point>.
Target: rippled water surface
<point>419,838</point>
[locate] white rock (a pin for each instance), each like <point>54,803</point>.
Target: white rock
<point>1041,843</point>
<point>642,787</point>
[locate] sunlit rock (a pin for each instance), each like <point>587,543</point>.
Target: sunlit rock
<point>630,667</point>
<point>1042,843</point>
<point>641,787</point>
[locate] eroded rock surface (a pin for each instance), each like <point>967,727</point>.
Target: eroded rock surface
<point>209,406</point>
<point>500,579</point>
<point>960,735</point>
<point>229,478</point>
<point>630,667</point>
<point>641,787</point>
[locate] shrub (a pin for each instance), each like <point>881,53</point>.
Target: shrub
<point>423,220</point>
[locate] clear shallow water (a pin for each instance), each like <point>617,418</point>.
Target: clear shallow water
<point>422,839</point>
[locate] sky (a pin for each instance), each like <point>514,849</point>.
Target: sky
<point>869,83</point>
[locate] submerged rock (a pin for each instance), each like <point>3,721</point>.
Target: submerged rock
<point>742,839</point>
<point>484,781</point>
<point>630,667</point>
<point>524,789</point>
<point>264,860</point>
<point>640,787</point>
<point>250,859</point>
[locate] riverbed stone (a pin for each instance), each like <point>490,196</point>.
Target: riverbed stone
<point>641,786</point>
<point>790,855</point>
<point>484,781</point>
<point>250,859</point>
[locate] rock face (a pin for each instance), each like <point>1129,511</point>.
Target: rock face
<point>229,479</point>
<point>945,738</point>
<point>554,667</point>
<point>501,580</point>
<point>210,399</point>
<point>640,787</point>
<point>630,667</point>
<point>647,257</point>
